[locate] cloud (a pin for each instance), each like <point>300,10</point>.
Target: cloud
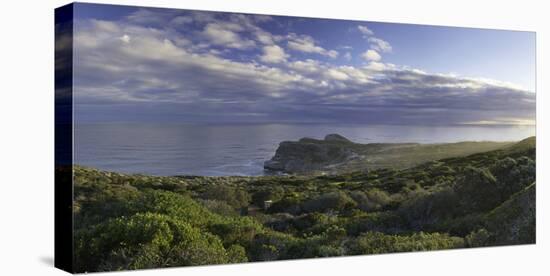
<point>501,122</point>
<point>378,66</point>
<point>306,66</point>
<point>371,55</point>
<point>305,43</point>
<point>264,38</point>
<point>125,38</point>
<point>148,17</point>
<point>337,75</point>
<point>376,43</point>
<point>226,35</point>
<point>181,20</point>
<point>106,26</point>
<point>380,45</point>
<point>273,54</point>
<point>347,56</point>
<point>365,30</point>
<point>129,70</point>
<point>332,54</point>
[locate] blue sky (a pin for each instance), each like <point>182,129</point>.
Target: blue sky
<point>145,64</point>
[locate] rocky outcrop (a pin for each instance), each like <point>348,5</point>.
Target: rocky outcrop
<point>310,154</point>
<point>336,154</point>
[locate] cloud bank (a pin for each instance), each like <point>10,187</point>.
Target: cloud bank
<point>164,65</point>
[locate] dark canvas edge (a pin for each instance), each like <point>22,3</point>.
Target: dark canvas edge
<point>63,252</point>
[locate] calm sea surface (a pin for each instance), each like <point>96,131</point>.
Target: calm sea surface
<point>215,150</point>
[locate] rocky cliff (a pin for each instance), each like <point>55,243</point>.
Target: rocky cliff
<point>335,154</point>
<point>310,154</point>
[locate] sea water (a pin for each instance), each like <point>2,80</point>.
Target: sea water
<point>241,149</point>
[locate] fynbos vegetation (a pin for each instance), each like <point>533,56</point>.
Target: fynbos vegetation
<point>138,221</point>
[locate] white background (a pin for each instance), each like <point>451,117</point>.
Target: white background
<point>26,136</point>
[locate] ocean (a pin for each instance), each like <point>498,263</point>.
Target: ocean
<point>240,149</point>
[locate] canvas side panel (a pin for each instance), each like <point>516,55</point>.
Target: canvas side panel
<point>64,138</point>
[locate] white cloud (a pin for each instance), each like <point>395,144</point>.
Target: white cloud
<point>365,30</point>
<point>337,74</point>
<point>86,40</point>
<point>226,35</point>
<point>304,43</point>
<point>264,38</point>
<point>273,54</point>
<point>358,75</point>
<point>376,43</point>
<point>371,55</point>
<point>376,66</point>
<point>502,121</point>
<point>494,82</point>
<point>125,38</point>
<point>307,66</point>
<point>105,26</point>
<point>347,56</point>
<point>147,16</point>
<point>332,54</point>
<point>380,45</point>
<point>162,50</point>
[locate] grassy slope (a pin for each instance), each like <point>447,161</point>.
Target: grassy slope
<point>409,156</point>
<point>514,221</point>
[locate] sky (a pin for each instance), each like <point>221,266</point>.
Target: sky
<point>136,64</point>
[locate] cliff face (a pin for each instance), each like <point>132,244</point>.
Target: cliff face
<point>309,154</point>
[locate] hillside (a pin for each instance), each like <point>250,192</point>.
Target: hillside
<point>337,154</point>
<point>139,221</point>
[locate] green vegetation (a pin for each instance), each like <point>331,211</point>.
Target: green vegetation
<point>139,221</point>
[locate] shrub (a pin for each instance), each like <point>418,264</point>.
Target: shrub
<point>377,199</point>
<point>376,243</point>
<point>477,189</point>
<point>512,176</point>
<point>424,208</point>
<point>237,254</point>
<point>236,197</point>
<point>270,246</point>
<point>268,193</point>
<point>331,201</point>
<point>386,222</point>
<point>289,205</point>
<point>239,231</point>
<point>219,207</point>
<point>477,238</point>
<point>145,240</point>
<point>174,205</point>
<point>318,221</point>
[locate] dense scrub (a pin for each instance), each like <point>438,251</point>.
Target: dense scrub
<point>137,221</point>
